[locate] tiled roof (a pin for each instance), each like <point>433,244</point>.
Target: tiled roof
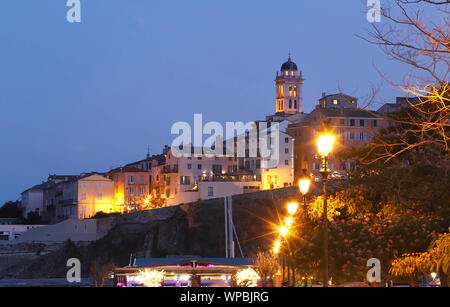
<point>127,169</point>
<point>346,112</point>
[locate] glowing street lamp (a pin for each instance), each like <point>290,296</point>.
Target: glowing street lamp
<point>276,247</point>
<point>325,144</point>
<point>324,147</point>
<point>292,208</point>
<point>283,231</point>
<point>289,221</point>
<point>303,185</point>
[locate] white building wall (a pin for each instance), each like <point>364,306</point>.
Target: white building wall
<point>32,201</point>
<point>11,232</point>
<point>222,189</point>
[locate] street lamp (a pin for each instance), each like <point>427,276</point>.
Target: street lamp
<point>324,146</point>
<point>303,185</point>
<point>292,208</point>
<point>276,248</point>
<point>283,231</point>
<point>288,221</point>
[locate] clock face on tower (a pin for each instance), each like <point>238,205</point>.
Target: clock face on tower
<point>288,85</point>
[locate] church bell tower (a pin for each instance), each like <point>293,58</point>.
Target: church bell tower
<point>289,89</point>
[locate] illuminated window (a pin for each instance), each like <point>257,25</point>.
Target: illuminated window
<point>295,91</point>
<point>335,101</point>
<point>100,196</point>
<point>290,90</point>
<point>83,196</point>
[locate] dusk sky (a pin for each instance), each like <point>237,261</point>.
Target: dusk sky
<point>93,95</point>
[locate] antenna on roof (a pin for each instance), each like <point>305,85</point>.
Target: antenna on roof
<point>148,151</point>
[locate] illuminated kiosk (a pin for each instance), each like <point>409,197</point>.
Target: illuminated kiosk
<point>210,272</point>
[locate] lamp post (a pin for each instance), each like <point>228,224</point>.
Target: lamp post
<point>284,233</point>
<point>324,146</point>
<point>303,185</point>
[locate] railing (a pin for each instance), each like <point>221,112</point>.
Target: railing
<point>218,178</point>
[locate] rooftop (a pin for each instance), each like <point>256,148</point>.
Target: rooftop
<point>188,260</point>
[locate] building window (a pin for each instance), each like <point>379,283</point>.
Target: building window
<point>130,179</point>
<point>362,123</point>
<point>100,196</point>
<point>217,169</point>
<point>189,166</point>
<point>100,184</point>
<point>286,162</point>
<point>83,196</point>
<point>352,122</point>
<point>335,101</point>
<point>290,90</point>
<point>290,104</point>
<point>286,140</point>
<point>375,123</point>
<point>199,166</point>
<point>295,91</point>
<point>286,150</point>
<point>295,104</point>
<point>83,184</point>
<point>210,191</point>
<point>185,180</point>
<point>132,190</point>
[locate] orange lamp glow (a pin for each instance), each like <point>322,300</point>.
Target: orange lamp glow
<point>303,185</point>
<point>292,208</point>
<point>289,221</point>
<point>283,231</point>
<point>325,144</point>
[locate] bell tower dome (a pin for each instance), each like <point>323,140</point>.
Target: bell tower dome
<point>289,89</point>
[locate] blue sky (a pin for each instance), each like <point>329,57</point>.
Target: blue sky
<point>90,96</point>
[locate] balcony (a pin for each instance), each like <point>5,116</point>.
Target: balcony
<point>230,178</point>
